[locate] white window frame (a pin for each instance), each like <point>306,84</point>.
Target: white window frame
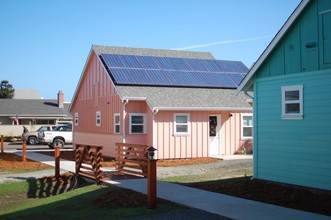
<point>144,124</point>
<point>98,118</point>
<point>286,115</point>
<point>76,118</point>
<point>187,124</point>
<point>117,124</point>
<point>242,126</point>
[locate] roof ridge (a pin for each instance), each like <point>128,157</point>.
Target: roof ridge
<point>151,52</point>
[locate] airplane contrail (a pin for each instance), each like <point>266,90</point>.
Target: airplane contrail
<point>221,42</point>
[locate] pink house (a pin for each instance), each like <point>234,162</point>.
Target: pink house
<point>182,103</point>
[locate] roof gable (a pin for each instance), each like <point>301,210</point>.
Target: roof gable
<point>180,98</point>
<point>247,83</point>
<point>150,52</point>
<point>173,71</point>
<point>32,107</point>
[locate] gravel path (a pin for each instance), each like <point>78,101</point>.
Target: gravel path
<point>203,168</point>
<point>162,172</point>
<point>14,177</point>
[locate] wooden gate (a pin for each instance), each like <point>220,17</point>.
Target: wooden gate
<point>132,158</point>
<point>88,161</point>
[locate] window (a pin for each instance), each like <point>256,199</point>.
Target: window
<point>137,123</point>
<point>40,122</point>
<point>292,102</point>
<point>76,118</point>
<point>116,123</point>
<point>246,126</point>
<point>182,123</point>
<point>98,118</point>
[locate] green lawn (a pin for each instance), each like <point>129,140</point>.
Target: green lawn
<point>210,176</point>
<point>34,200</point>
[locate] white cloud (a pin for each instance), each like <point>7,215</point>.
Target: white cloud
<point>221,42</point>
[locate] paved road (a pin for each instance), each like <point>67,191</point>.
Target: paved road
<point>17,146</point>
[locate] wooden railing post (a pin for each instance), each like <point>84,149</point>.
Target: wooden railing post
<point>89,155</point>
<point>57,162</point>
<point>23,151</point>
<point>2,144</point>
<point>151,178</point>
<point>151,186</point>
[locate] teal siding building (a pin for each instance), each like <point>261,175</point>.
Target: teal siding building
<point>291,83</point>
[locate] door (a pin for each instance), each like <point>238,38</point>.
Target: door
<point>214,135</point>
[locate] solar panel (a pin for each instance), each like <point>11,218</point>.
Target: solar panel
<point>170,71</point>
<point>196,65</point>
<point>231,66</point>
<point>148,62</point>
<point>210,65</point>
<point>130,62</point>
<point>113,61</point>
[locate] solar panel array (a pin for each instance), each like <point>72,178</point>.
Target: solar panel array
<point>171,71</point>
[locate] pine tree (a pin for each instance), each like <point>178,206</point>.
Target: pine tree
<point>6,90</point>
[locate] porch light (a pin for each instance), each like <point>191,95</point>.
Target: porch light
<point>151,152</point>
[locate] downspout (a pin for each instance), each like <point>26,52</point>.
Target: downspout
<point>125,102</point>
<point>155,111</point>
<point>248,95</point>
<point>252,98</point>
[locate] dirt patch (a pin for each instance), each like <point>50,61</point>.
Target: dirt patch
<point>121,198</point>
<point>110,161</point>
<point>318,201</point>
<point>11,162</point>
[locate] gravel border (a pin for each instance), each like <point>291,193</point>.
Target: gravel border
<point>199,169</point>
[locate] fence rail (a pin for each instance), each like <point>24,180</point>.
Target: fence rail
<point>88,161</point>
<point>132,158</point>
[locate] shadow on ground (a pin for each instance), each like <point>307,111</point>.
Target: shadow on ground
<point>51,186</point>
<point>72,197</point>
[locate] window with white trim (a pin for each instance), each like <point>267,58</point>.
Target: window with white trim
<point>292,102</point>
<point>137,123</point>
<point>76,118</point>
<point>246,126</point>
<point>98,118</point>
<point>181,123</point>
<point>116,123</point>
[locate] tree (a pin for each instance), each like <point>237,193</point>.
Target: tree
<point>6,90</point>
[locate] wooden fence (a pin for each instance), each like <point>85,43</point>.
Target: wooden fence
<point>131,158</point>
<point>88,161</point>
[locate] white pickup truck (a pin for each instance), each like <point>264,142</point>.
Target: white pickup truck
<point>59,136</point>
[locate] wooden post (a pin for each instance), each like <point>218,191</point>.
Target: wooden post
<point>2,144</point>
<point>23,151</point>
<point>57,162</point>
<point>151,179</point>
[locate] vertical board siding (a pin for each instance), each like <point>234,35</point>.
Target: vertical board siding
<point>196,144</point>
<point>231,133</point>
<point>306,45</point>
<point>97,93</point>
<point>138,107</point>
<point>106,140</point>
<point>295,151</point>
<point>172,146</point>
<point>92,98</point>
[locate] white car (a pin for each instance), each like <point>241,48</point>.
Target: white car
<point>31,137</point>
<point>60,136</point>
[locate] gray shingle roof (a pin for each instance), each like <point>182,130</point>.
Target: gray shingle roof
<point>32,107</point>
<point>27,94</point>
<point>186,98</point>
<point>152,52</point>
<point>176,97</point>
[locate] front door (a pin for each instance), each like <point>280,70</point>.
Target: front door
<point>214,135</point>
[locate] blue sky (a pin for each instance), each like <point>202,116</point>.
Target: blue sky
<point>44,44</point>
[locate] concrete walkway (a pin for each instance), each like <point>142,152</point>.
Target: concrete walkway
<point>223,205</point>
